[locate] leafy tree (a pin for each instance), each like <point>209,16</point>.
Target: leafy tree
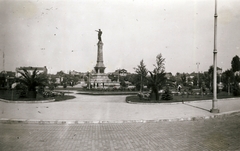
<point>32,81</point>
<point>61,74</point>
<point>210,75</point>
<point>202,80</point>
<point>141,70</point>
<point>122,82</point>
<point>237,78</point>
<point>157,77</point>
<point>2,81</point>
<point>195,81</point>
<point>113,77</point>
<point>236,89</point>
<point>184,79</point>
<point>133,78</point>
<point>227,79</point>
<point>53,80</point>
<point>70,79</point>
<point>206,79</point>
<point>235,64</point>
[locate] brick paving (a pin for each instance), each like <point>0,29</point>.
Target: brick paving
<point>221,133</point>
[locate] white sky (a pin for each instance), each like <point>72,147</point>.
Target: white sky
<point>61,34</point>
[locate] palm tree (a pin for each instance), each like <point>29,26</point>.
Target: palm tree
<point>156,81</point>
<point>157,78</point>
<point>32,81</point>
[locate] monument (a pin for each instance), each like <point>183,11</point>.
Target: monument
<point>99,68</point>
<point>99,79</point>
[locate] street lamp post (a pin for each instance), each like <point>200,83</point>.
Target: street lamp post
<point>118,74</point>
<point>198,63</point>
<point>89,83</point>
<point>214,101</point>
<point>141,84</point>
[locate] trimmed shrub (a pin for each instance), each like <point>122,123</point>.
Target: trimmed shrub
<point>167,95</point>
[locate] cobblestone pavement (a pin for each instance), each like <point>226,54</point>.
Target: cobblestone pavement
<point>222,133</point>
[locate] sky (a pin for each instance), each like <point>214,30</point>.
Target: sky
<point>61,34</point>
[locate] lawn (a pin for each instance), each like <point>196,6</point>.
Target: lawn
<point>63,98</point>
<point>180,98</point>
<point>57,98</point>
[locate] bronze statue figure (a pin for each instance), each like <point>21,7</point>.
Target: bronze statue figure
<point>99,34</point>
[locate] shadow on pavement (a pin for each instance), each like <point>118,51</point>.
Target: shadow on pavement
<point>197,107</point>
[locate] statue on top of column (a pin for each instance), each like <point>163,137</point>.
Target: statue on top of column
<point>99,34</point>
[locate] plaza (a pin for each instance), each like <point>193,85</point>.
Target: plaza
<point>108,123</point>
<point>110,109</point>
<point>60,100</point>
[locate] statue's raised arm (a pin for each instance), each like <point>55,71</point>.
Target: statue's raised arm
<point>99,34</point>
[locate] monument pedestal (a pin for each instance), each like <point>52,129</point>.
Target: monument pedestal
<point>99,79</point>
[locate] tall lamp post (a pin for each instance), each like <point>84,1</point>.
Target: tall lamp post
<point>141,84</point>
<point>214,101</point>
<point>89,81</point>
<point>198,63</point>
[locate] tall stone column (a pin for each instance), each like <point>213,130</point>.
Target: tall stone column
<point>99,68</point>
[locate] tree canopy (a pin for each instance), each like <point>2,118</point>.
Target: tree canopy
<point>157,76</point>
<point>141,69</point>
<point>235,64</point>
<point>32,80</point>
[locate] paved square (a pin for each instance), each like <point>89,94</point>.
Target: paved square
<point>222,133</point>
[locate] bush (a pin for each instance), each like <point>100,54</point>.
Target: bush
<point>21,90</point>
<point>65,85</point>
<point>167,95</point>
<point>51,87</point>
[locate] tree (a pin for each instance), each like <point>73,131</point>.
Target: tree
<point>52,83</point>
<point>195,81</point>
<point>210,74</point>
<point>53,80</point>
<point>132,78</point>
<point>227,79</point>
<point>157,76</point>
<point>184,79</point>
<point>235,64</point>
<point>236,89</point>
<point>141,70</point>
<point>113,76</point>
<point>32,81</point>
<point>61,75</point>
<point>202,79</point>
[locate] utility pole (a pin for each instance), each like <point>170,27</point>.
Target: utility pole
<point>214,101</point>
<point>89,83</point>
<point>118,75</point>
<point>3,62</point>
<point>198,63</point>
<point>141,87</point>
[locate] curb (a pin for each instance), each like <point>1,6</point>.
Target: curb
<point>43,101</point>
<point>106,93</point>
<point>172,103</point>
<point>68,122</point>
